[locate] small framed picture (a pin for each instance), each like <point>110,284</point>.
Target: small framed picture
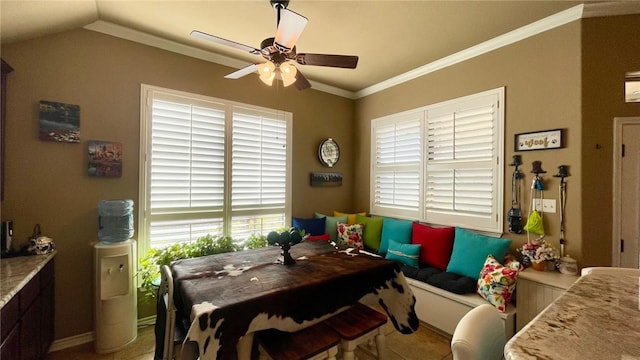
<point>539,140</point>
<point>59,122</point>
<point>105,159</point>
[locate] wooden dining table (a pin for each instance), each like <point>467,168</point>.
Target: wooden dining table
<point>228,297</point>
<point>598,317</point>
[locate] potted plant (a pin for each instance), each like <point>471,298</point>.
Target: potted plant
<point>149,268</point>
<point>538,253</point>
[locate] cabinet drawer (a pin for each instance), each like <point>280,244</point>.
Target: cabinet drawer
<point>29,293</point>
<point>9,316</point>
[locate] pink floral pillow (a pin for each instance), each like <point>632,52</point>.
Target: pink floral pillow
<point>350,235</point>
<point>497,282</point>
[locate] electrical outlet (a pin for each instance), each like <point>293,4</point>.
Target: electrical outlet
<point>546,205</point>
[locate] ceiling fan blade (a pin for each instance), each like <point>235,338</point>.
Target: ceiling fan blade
<point>301,81</point>
<point>289,29</point>
<point>341,61</point>
<point>219,40</point>
<point>242,72</point>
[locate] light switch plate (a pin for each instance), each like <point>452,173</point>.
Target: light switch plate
<point>546,205</point>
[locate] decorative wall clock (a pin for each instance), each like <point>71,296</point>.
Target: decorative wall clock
<point>329,152</point>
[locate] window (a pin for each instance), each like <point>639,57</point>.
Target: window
<point>396,169</point>
<point>442,164</point>
<point>210,166</point>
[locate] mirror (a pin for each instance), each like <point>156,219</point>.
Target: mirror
<point>632,86</point>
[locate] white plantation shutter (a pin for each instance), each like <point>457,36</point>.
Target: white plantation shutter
<point>441,164</point>
<point>397,149</point>
<point>259,161</point>
<point>259,172</point>
<point>187,154</point>
<point>210,167</point>
<point>461,168</point>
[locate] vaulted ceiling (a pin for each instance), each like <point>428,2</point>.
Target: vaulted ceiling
<point>390,37</point>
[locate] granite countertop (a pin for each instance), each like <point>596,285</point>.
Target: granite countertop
<point>598,317</point>
<point>16,272</point>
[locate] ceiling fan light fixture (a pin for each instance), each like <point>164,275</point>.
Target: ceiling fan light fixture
<point>267,72</point>
<point>290,27</point>
<point>281,49</point>
<point>288,73</point>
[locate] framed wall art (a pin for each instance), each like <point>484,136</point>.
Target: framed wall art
<point>540,140</point>
<point>105,159</point>
<point>59,122</point>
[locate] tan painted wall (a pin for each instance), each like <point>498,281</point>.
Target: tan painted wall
<point>551,80</point>
<point>47,182</point>
<point>611,47</point>
<point>542,80</point>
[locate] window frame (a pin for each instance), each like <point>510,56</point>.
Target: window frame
<point>147,93</point>
<point>493,225</point>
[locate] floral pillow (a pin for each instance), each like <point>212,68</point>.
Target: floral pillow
<point>350,235</point>
<point>497,282</point>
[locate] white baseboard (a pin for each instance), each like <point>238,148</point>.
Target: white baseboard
<point>149,320</point>
<point>88,337</point>
<point>71,341</point>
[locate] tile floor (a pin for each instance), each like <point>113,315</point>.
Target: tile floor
<point>422,345</point>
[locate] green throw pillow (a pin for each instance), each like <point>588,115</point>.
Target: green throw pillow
<point>331,224</point>
<point>372,231</point>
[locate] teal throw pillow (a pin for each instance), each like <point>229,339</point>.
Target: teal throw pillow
<point>331,225</point>
<point>404,253</point>
<point>470,250</point>
<point>371,232</point>
<point>396,230</point>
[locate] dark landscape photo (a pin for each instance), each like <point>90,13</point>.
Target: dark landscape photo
<point>59,122</point>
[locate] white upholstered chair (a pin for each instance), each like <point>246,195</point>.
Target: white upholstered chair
<point>610,271</point>
<point>479,335</point>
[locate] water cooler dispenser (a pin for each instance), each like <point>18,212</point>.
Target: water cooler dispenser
<point>116,315</point>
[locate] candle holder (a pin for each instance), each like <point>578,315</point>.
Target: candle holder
<point>285,256</point>
<point>285,240</point>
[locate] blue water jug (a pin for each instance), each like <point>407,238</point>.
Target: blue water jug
<point>115,220</point>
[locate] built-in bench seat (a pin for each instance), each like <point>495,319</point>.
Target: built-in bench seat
<point>443,298</point>
<point>451,270</point>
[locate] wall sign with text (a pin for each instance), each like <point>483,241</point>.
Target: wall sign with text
<point>326,178</point>
<point>540,140</point>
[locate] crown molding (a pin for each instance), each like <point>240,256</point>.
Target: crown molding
<point>126,33</point>
<point>577,12</point>
<point>140,37</point>
<point>509,38</point>
<point>611,8</point>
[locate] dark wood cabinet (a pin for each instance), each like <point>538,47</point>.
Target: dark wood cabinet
<point>30,331</point>
<point>27,319</point>
<point>48,310</point>
<point>11,344</point>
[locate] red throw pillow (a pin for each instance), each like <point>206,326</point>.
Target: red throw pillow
<point>437,244</point>
<point>323,237</point>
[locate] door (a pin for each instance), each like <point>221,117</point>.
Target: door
<point>626,219</point>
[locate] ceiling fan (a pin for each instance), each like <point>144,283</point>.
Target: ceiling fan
<point>280,51</point>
